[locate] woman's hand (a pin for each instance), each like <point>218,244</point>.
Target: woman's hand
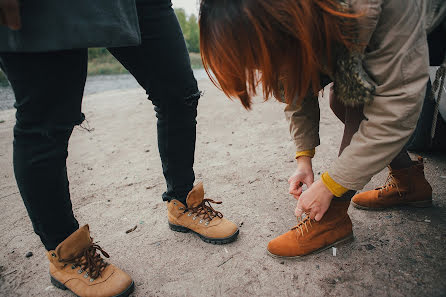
<point>302,175</point>
<point>314,201</point>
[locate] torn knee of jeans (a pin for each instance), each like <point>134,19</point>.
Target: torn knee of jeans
<point>85,125</point>
<point>192,100</point>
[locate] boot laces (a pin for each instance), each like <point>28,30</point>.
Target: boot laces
<point>303,222</point>
<point>89,261</point>
<point>391,183</point>
<point>205,210</point>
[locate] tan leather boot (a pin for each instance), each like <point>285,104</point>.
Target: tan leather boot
<point>76,265</point>
<point>310,236</point>
<point>200,218</point>
<point>406,186</point>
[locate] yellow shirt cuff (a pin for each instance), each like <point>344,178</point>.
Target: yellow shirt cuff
<point>335,188</point>
<point>308,153</point>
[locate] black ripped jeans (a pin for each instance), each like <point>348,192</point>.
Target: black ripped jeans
<point>49,87</point>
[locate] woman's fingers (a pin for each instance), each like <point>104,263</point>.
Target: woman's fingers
<point>321,211</point>
<point>299,208</point>
<point>319,216</point>
<point>296,194</point>
<point>295,185</point>
<point>314,212</point>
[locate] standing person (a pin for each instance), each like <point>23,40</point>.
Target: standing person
<point>45,61</point>
<point>376,54</point>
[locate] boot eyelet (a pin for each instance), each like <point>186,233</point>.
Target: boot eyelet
<point>80,271</point>
<point>91,280</point>
<point>201,221</point>
<point>189,214</point>
<point>194,218</point>
<point>86,275</point>
<point>174,203</point>
<point>207,223</point>
<point>53,255</point>
<point>181,208</point>
<point>73,266</point>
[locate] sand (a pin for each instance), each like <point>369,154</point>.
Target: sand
<point>244,159</point>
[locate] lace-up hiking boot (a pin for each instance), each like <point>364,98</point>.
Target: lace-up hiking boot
<point>310,236</point>
<point>199,217</point>
<point>76,265</point>
<point>406,186</point>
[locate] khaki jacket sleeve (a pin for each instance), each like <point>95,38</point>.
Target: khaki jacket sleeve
<point>370,11</point>
<point>399,66</point>
<point>303,121</point>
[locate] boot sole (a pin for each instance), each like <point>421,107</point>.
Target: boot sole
<point>61,286</point>
<point>418,204</point>
<point>210,240</point>
<point>342,241</point>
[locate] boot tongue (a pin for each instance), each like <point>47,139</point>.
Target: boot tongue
<point>195,196</point>
<point>74,244</point>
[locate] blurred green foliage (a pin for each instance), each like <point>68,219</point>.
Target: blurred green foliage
<point>191,32</point>
<point>100,61</point>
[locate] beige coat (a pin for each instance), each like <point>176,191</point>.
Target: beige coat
<point>396,58</point>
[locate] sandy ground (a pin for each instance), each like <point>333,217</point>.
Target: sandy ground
<point>244,159</point>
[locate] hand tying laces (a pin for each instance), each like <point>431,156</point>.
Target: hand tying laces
<point>302,223</point>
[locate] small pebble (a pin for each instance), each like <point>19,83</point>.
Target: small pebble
<point>283,262</point>
<point>29,254</point>
<point>427,221</point>
<point>369,247</point>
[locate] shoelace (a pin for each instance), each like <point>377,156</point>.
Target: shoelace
<point>303,221</point>
<point>391,183</point>
<point>205,210</point>
<point>89,261</point>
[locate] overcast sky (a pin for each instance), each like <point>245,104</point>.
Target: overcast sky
<point>190,6</point>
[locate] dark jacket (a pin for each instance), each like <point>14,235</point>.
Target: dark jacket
<point>49,25</point>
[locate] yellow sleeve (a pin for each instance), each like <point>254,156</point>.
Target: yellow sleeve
<point>308,153</point>
<point>335,188</point>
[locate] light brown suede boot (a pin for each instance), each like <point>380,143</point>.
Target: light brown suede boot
<point>76,265</point>
<point>406,186</point>
<point>310,236</point>
<point>200,218</point>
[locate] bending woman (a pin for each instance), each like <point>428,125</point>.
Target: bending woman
<point>376,54</point>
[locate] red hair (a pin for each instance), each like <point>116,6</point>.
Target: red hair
<point>278,43</point>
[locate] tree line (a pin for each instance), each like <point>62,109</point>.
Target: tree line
<point>191,32</point>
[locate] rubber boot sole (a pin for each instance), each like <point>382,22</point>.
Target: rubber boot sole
<point>61,286</point>
<point>342,241</point>
<point>182,229</point>
<point>418,204</point>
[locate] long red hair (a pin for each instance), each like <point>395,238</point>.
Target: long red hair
<point>282,44</point>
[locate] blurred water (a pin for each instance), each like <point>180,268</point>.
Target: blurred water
<point>95,84</point>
